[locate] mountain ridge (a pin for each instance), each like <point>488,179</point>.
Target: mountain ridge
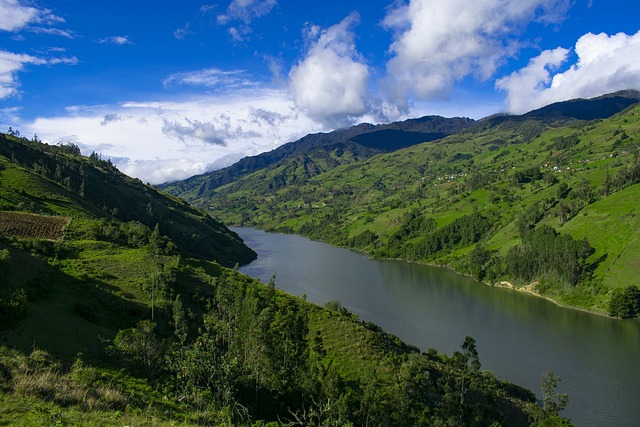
<point>407,132</point>
<point>375,139</point>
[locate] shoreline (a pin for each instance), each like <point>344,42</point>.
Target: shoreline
<point>528,289</point>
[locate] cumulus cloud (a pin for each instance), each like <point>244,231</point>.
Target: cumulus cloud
<point>14,15</point>
<point>331,82</point>
<point>439,42</point>
<point>110,118</point>
<point>210,133</point>
<point>604,64</point>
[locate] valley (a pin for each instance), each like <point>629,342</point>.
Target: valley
<point>475,201</point>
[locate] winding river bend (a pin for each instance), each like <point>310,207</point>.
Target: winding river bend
<point>518,336</point>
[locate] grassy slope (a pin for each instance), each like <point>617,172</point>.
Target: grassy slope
<point>54,366</point>
<point>470,171</point>
<point>73,186</point>
<point>103,281</point>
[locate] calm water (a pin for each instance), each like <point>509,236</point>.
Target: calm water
<point>518,336</point>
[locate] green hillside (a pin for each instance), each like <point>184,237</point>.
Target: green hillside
<point>56,180</point>
<point>543,199</point>
<point>110,316</point>
<point>296,162</point>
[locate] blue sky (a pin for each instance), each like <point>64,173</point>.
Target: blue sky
<point>172,89</point>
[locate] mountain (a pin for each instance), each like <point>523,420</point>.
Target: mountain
<point>599,107</point>
<point>59,181</point>
<point>316,153</point>
<point>113,313</point>
<point>485,201</point>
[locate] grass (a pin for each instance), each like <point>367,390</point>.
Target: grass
<point>36,390</point>
<point>611,226</point>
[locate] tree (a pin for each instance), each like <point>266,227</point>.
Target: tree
<point>625,303</point>
<point>155,250</point>
<point>180,326</point>
<point>462,375</point>
<point>552,402</point>
<point>141,347</point>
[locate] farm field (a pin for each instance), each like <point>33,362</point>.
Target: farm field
<point>32,226</point>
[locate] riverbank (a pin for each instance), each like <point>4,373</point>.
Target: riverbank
<point>518,337</point>
<point>528,289</point>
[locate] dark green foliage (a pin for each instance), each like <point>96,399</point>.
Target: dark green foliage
<point>564,142</point>
<point>13,302</point>
<point>625,303</point>
<point>13,306</point>
<point>545,253</point>
<point>627,175</point>
<point>414,224</point>
<point>552,403</point>
<point>528,219</point>
<point>527,175</point>
<point>252,351</point>
<point>364,239</point>
<point>464,231</point>
<point>484,264</point>
<point>141,348</point>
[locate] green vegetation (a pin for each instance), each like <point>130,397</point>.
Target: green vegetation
<point>120,322</point>
<point>57,181</point>
<point>542,200</point>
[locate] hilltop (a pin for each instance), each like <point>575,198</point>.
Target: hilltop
<point>114,310</point>
<point>314,154</point>
<point>558,185</point>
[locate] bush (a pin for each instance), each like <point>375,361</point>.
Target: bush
<point>625,303</point>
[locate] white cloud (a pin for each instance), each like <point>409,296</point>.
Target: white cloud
<point>331,82</point>
<point>246,10</point>
<point>165,141</point>
<point>213,78</point>
<point>243,11</point>
<point>182,33</point>
<point>440,42</point>
<point>604,64</point>
<point>54,32</point>
<point>14,15</point>
<point>10,64</point>
<point>118,40</point>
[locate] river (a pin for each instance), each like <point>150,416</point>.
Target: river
<point>519,336</point>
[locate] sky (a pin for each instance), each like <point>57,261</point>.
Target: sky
<point>168,90</point>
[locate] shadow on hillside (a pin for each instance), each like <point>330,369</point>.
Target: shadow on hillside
<point>66,315</point>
